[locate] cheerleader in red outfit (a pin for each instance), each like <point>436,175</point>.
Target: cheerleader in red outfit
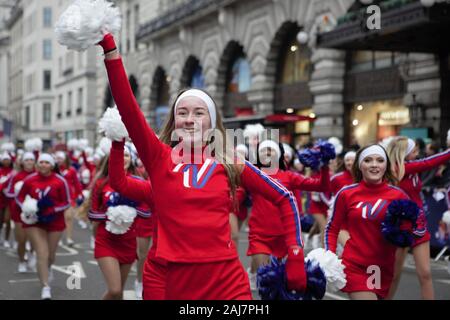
<point>192,199</point>
<point>43,198</point>
<point>340,180</point>
<point>138,190</point>
<point>115,246</point>
<point>363,205</point>
<point>403,152</point>
<point>27,164</point>
<point>70,174</point>
<point>266,229</point>
<point>6,171</point>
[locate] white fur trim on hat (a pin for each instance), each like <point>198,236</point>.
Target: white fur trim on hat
<point>350,154</point>
<point>60,154</point>
<point>202,96</point>
<point>411,146</point>
<point>47,157</point>
<point>5,156</point>
<point>270,144</point>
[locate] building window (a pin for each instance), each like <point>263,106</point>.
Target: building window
<point>47,114</point>
<point>240,76</point>
<point>198,80</point>
<point>60,66</point>
<point>136,25</point>
<point>60,107</point>
<point>27,117</point>
<point>47,79</point>
<point>80,101</point>
<point>79,134</point>
<point>47,17</point>
<point>47,49</point>
<point>297,64</point>
<point>69,104</point>
<point>372,60</point>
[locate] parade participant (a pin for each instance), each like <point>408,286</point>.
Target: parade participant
<point>6,171</point>
<point>115,246</point>
<point>266,228</point>
<point>363,205</point>
<point>193,227</point>
<point>43,198</point>
<point>27,163</point>
<point>403,152</point>
<point>137,189</point>
<point>70,174</point>
<point>340,180</point>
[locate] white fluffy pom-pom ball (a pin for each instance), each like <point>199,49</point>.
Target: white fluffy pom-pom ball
<point>34,144</point>
<point>120,218</point>
<point>8,147</point>
<point>29,209</point>
<point>29,217</point>
<point>105,145</point>
<point>111,124</point>
<point>82,144</point>
<point>332,267</point>
<point>337,144</point>
<point>72,144</point>
<point>84,23</point>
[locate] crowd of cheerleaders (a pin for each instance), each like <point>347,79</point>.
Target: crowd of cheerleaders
<point>180,221</point>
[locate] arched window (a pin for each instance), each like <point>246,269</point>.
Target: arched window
<point>197,80</point>
<point>240,80</point>
<point>297,65</point>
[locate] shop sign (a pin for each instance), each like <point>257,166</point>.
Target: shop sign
<point>393,118</point>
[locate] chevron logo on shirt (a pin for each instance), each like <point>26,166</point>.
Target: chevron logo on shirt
<point>193,177</point>
<point>370,211</point>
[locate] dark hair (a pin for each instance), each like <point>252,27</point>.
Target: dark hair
<point>434,146</point>
<point>281,161</point>
<point>356,171</point>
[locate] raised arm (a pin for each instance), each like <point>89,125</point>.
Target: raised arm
<point>134,189</point>
<point>63,200</point>
<point>334,224</point>
<point>147,143</point>
<point>321,184</point>
<point>417,166</point>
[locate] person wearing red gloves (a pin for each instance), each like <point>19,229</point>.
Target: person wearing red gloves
<point>193,228</point>
<point>27,163</point>
<point>266,234</point>
<point>403,153</point>
<point>44,222</point>
<point>363,205</point>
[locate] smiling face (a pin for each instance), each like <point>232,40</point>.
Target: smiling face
<point>44,168</point>
<point>192,120</point>
<point>28,165</point>
<point>373,168</point>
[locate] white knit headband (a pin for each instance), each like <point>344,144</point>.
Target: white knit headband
<point>270,144</point>
<point>411,146</point>
<point>372,150</point>
<point>349,155</point>
<point>205,98</point>
<point>47,157</point>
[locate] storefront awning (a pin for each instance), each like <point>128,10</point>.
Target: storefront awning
<point>410,27</point>
<point>288,118</point>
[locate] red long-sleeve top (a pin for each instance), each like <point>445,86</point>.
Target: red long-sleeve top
<point>265,217</point>
<point>412,184</point>
<point>363,206</point>
<point>192,200</point>
<point>70,174</point>
<point>340,180</point>
<point>54,186</point>
<point>10,191</point>
<point>5,176</point>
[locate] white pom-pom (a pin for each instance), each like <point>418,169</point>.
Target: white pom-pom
<point>337,144</point>
<point>446,218</point>
<point>111,124</point>
<point>85,176</point>
<point>8,147</point>
<point>29,209</point>
<point>252,130</point>
<point>34,144</point>
<point>17,187</point>
<point>86,193</point>
<point>72,144</point>
<point>120,218</point>
<point>84,23</point>
<point>332,267</point>
<point>89,151</point>
<point>82,144</point>
<point>105,145</point>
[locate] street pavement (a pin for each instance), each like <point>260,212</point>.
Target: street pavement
<point>89,283</point>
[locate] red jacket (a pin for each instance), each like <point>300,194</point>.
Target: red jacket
<point>54,186</point>
<point>265,217</point>
<point>340,180</point>
<point>71,177</point>
<point>5,177</point>
<point>363,206</point>
<point>193,200</point>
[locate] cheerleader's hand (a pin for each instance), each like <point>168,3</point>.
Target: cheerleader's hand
<point>295,269</point>
<point>108,44</point>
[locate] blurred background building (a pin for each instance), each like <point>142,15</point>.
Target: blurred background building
<point>308,67</point>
